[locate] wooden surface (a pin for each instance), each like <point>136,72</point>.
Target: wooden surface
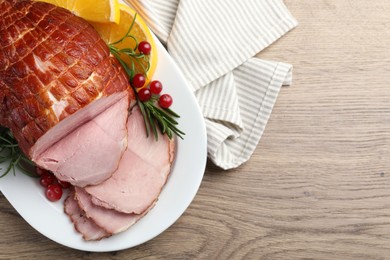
<point>318,185</point>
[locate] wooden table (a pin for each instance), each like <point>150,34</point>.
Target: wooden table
<point>318,185</point>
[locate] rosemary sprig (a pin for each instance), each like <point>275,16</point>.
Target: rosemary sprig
<point>163,118</point>
<point>11,153</point>
<point>154,116</point>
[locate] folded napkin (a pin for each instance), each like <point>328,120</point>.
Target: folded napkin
<point>214,43</point>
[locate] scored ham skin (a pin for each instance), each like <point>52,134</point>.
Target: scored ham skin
<point>53,66</point>
<point>111,221</point>
<point>82,224</point>
<point>142,172</point>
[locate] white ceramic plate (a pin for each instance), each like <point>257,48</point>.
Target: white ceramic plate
<point>27,196</point>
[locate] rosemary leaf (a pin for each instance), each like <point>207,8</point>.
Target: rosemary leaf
<point>16,163</point>
<point>152,123</point>
<point>6,171</point>
<point>171,112</point>
<point>143,112</point>
<point>6,140</point>
<point>133,69</point>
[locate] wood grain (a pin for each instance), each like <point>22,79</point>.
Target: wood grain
<point>318,185</point>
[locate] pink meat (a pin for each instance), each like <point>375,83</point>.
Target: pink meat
<point>91,153</point>
<point>142,172</point>
<point>158,154</point>
<point>111,221</point>
<point>82,224</point>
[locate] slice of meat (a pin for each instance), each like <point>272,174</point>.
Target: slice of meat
<point>82,224</point>
<point>111,221</point>
<point>142,172</point>
<point>56,74</point>
<point>132,188</point>
<point>159,154</point>
<point>90,154</point>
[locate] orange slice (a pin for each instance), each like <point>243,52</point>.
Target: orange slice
<point>91,10</point>
<point>111,33</point>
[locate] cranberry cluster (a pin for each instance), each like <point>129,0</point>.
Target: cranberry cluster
<point>53,186</point>
<point>155,87</point>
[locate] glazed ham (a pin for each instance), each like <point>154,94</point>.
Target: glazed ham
<point>66,100</point>
<point>56,75</point>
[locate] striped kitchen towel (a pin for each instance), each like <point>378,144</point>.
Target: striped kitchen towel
<point>214,43</point>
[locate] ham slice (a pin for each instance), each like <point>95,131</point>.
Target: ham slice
<point>75,158</point>
<point>82,224</point>
<point>56,75</point>
<point>142,172</point>
<point>109,220</point>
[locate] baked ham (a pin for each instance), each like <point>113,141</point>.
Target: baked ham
<point>56,75</point>
<point>66,101</point>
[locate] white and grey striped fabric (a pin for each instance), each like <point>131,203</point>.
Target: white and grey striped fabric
<point>214,43</point>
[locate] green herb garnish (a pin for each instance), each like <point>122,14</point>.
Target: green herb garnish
<point>10,152</point>
<point>164,118</point>
<point>154,116</point>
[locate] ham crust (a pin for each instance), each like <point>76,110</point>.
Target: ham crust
<point>52,64</point>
